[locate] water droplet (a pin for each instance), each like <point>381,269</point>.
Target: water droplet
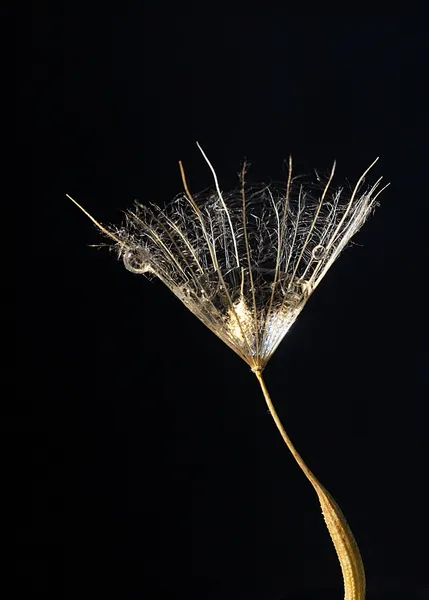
<point>318,252</point>
<point>135,260</point>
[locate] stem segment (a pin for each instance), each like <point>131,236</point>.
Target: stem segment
<point>342,537</point>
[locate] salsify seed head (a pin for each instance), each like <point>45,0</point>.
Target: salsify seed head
<point>245,262</point>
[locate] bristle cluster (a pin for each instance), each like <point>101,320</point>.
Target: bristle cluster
<point>246,262</point>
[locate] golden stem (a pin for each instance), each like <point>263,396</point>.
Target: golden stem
<point>342,537</point>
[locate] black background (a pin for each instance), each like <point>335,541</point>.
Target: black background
<point>149,464</point>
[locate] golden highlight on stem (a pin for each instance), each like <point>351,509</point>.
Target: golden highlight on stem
<point>342,537</point>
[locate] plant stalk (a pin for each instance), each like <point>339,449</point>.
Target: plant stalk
<point>342,537</point>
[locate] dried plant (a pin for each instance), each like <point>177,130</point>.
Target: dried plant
<point>245,263</point>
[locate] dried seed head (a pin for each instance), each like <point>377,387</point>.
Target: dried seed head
<point>245,262</point>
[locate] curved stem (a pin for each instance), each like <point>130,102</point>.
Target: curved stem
<point>342,537</point>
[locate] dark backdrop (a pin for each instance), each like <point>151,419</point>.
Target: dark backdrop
<point>149,464</point>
